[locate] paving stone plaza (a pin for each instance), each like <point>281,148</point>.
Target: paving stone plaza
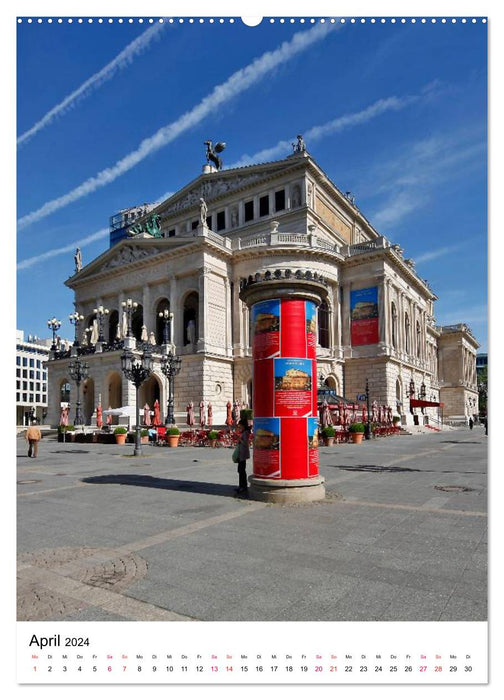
<point>401,535</point>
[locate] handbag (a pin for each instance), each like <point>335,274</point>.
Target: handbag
<point>236,454</point>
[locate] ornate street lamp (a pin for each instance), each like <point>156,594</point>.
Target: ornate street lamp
<point>422,394</point>
<point>79,371</point>
<point>75,319</point>
<point>54,325</point>
<point>170,367</point>
<point>167,319</point>
<point>411,393</point>
<point>100,312</point>
<point>129,306</point>
<point>137,370</point>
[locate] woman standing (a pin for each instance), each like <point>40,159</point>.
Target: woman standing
<point>243,455</point>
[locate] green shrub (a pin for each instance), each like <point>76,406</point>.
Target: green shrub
<point>357,428</point>
<point>66,428</point>
<point>144,433</point>
<point>173,431</point>
<point>328,431</point>
<point>213,435</point>
<point>246,413</point>
<point>120,430</point>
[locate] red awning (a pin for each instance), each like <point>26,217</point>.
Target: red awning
<point>417,403</point>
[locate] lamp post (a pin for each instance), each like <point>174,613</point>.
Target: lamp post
<point>367,433</point>
<point>137,370</point>
<point>75,319</point>
<point>54,325</point>
<point>100,313</point>
<point>170,367</point>
<point>422,394</point>
<point>167,319</point>
<point>79,371</point>
<point>129,307</point>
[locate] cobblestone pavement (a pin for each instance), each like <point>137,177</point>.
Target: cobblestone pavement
<point>401,535</point>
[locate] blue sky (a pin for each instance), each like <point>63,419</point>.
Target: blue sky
<point>111,115</point>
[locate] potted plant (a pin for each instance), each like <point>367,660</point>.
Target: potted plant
<point>396,420</point>
<point>66,433</point>
<point>212,436</point>
<point>357,431</point>
<point>172,436</point>
<point>328,434</point>
<point>120,434</point>
<point>144,436</point>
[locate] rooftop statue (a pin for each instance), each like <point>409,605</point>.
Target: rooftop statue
<point>300,146</point>
<point>78,260</point>
<point>213,151</point>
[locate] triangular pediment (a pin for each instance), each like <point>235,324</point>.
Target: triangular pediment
<point>215,185</point>
<point>124,253</point>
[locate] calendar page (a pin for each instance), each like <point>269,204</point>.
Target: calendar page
<point>252,435</point>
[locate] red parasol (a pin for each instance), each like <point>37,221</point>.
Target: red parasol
<point>364,414</point>
<point>229,414</point>
<point>157,413</point>
<point>210,415</point>
<point>109,416</point>
<point>202,414</point>
<point>99,419</point>
<point>190,414</point>
<point>146,410</point>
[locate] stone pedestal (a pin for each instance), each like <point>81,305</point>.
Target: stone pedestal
<point>284,339</point>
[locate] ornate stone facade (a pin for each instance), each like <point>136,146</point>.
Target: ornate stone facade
<point>282,215</point>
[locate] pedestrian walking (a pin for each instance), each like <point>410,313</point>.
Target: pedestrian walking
<point>33,436</point>
<point>471,423</point>
<point>243,455</point>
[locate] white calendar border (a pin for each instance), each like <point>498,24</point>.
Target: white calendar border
<point>9,628</point>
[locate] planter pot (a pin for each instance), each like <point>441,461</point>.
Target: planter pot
<point>357,437</point>
<point>120,439</point>
<point>144,440</point>
<point>213,443</point>
<point>328,441</point>
<point>172,440</point>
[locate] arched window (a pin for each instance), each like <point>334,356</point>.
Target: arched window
<point>137,322</point>
<point>65,392</point>
<point>113,326</point>
<point>407,332</point>
<point>418,339</point>
<point>163,305</point>
<point>191,305</point>
<point>394,325</point>
<point>323,325</point>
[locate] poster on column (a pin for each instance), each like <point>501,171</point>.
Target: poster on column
<point>267,447</point>
<point>266,329</point>
<point>311,328</point>
<point>313,441</point>
<point>293,387</point>
<point>364,316</point>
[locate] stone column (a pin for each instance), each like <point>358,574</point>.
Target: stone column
<point>283,310</point>
<point>202,290</point>
<point>178,315</point>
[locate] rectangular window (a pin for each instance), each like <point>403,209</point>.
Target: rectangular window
<point>32,362</point>
<point>37,398</point>
<point>18,360</point>
<point>18,373</point>
<point>280,200</point>
<point>171,233</point>
<point>18,397</point>
<point>264,206</point>
<point>249,210</point>
<point>25,362</point>
<point>209,222</point>
<point>32,374</point>
<point>38,364</point>
<point>25,398</point>
<point>194,225</point>
<point>221,220</point>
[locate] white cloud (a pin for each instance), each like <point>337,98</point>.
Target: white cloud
<point>121,61</point>
<point>36,259</point>
<point>233,86</point>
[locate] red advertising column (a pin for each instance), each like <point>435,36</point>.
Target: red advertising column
<point>284,337</point>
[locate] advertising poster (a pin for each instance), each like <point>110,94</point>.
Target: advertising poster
<point>293,387</point>
<point>311,329</point>
<point>267,447</point>
<point>313,442</point>
<point>264,388</point>
<point>266,329</point>
<point>364,316</point>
